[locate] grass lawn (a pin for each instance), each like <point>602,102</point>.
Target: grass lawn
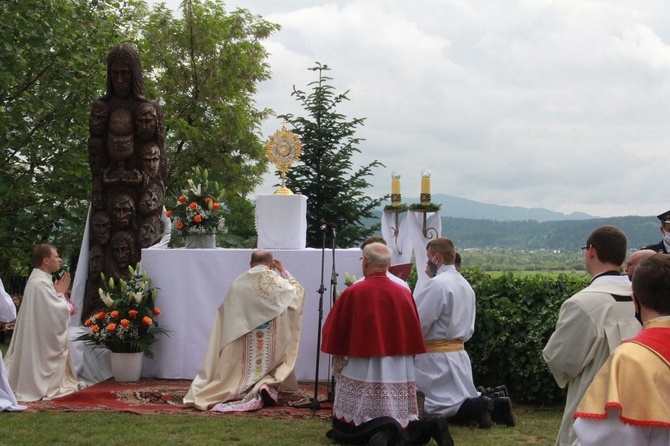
<point>535,427</point>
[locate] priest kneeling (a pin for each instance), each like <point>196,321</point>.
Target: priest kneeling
<point>253,347</point>
<point>373,331</point>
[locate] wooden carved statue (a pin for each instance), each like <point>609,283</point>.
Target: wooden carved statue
<point>128,166</point>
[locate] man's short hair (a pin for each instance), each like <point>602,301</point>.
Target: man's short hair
<point>457,259</point>
<point>261,256</point>
<point>445,247</point>
<point>377,254</point>
<point>373,239</point>
<point>610,244</point>
<point>41,252</point>
<point>651,283</point>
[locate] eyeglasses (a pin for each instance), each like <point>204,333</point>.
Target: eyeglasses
<point>584,248</point>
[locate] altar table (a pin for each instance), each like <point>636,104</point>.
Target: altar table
<point>192,284</point>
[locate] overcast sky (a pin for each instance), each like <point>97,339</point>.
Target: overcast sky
<point>563,105</point>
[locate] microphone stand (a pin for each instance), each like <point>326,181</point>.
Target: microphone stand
<point>314,404</point>
<point>333,287</point>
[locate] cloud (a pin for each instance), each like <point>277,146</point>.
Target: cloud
<point>562,105</point>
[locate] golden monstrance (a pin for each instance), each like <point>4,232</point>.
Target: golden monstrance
<point>283,149</point>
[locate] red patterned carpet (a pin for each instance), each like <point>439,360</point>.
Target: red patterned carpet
<point>153,396</point>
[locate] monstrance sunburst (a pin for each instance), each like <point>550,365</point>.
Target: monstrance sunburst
<point>283,149</point>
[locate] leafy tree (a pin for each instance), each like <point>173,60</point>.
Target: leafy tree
<point>325,172</point>
<point>50,72</point>
<point>204,69</point>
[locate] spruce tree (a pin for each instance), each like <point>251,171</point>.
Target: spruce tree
<point>334,187</point>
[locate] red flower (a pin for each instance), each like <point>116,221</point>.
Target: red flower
<point>115,314</point>
<point>95,329</point>
<point>208,200</point>
<point>168,214</point>
<point>99,315</point>
<point>193,205</point>
<point>132,314</point>
<point>146,320</point>
<point>88,323</point>
<point>216,206</point>
<point>182,199</point>
<point>125,322</point>
<point>179,225</point>
<point>157,311</point>
<point>197,218</point>
<point>111,327</point>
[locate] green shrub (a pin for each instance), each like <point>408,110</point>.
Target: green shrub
<point>516,315</point>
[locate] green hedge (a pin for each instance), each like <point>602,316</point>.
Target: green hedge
<point>516,315</point>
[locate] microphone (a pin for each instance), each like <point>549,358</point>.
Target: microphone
<point>326,224</point>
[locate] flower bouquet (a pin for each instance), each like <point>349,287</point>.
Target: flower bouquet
<point>128,323</point>
<point>198,209</point>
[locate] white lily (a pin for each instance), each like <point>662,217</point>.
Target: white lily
<point>107,299</point>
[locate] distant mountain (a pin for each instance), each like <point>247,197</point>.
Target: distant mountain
<point>474,225</point>
<point>463,208</point>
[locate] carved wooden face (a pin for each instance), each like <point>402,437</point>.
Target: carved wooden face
<point>150,230</point>
<point>96,261</point>
<point>122,78</point>
<point>152,199</point>
<point>123,211</point>
<point>146,122</point>
<point>151,160</point>
<point>122,249</point>
<point>102,227</point>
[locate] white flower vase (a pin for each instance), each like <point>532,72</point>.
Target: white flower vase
<point>127,367</point>
<point>206,241</point>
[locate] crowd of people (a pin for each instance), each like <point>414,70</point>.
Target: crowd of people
<point>401,370</point>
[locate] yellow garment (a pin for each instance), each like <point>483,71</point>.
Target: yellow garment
<point>444,345</point>
<point>254,340</point>
<point>38,359</point>
<point>635,380</point>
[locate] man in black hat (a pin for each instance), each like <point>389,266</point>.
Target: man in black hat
<point>664,245</point>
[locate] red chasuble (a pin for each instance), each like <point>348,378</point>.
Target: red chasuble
<point>375,317</point>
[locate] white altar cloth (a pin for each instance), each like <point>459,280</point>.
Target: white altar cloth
<point>281,221</point>
<point>192,284</point>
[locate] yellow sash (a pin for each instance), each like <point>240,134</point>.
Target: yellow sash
<point>444,345</point>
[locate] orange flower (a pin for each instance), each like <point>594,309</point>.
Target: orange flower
<point>157,311</point>
<point>146,320</point>
<point>125,322</point>
<point>111,327</point>
<point>168,214</point>
<point>95,329</point>
<point>115,314</point>
<point>88,323</point>
<point>208,200</point>
<point>99,315</point>
<point>197,218</point>
<point>132,314</point>
<point>216,206</point>
<point>193,205</point>
<point>179,225</point>
<point>182,199</point>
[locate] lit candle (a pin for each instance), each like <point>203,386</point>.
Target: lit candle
<point>425,186</point>
<point>395,188</point>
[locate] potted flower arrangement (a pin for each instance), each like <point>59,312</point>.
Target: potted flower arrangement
<point>128,324</point>
<point>198,213</point>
